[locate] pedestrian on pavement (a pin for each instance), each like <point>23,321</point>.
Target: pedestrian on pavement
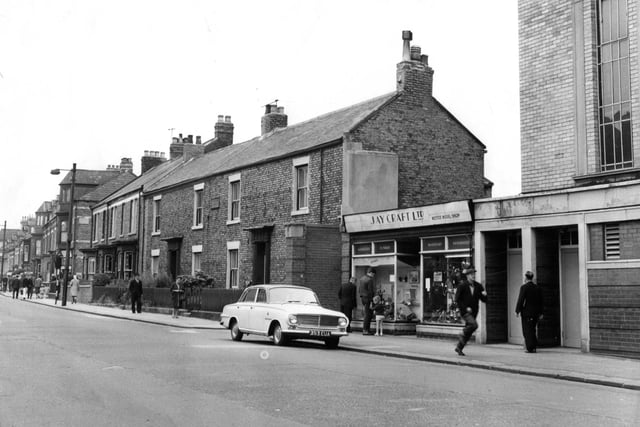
<point>347,296</point>
<point>366,290</point>
<point>23,287</point>
<point>530,305</point>
<point>28,283</point>
<point>37,285</point>
<point>57,285</point>
<point>15,287</point>
<point>135,290</point>
<point>378,311</point>
<point>467,297</point>
<point>176,296</point>
<point>75,288</point>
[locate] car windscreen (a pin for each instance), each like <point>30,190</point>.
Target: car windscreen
<point>286,295</point>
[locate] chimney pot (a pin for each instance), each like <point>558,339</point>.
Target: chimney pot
<point>424,59</point>
<point>162,154</point>
<point>227,119</point>
<point>220,118</point>
<point>146,153</point>
<point>198,139</point>
<point>415,53</point>
<point>406,45</point>
<point>280,110</point>
<point>190,139</point>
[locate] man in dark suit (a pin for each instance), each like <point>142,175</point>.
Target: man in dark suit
<point>347,296</point>
<point>468,295</point>
<point>530,304</point>
<point>366,288</point>
<point>135,290</point>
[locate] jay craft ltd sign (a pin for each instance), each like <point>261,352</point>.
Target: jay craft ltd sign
<point>424,216</point>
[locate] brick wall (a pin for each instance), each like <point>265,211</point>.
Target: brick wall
<point>266,200</point>
<point>439,160</point>
<point>614,309</point>
<point>547,96</point>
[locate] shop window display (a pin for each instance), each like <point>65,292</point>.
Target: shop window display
<point>442,276</point>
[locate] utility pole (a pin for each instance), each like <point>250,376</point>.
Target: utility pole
<point>4,242</point>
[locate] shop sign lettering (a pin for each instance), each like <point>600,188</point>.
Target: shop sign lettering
<point>424,216</point>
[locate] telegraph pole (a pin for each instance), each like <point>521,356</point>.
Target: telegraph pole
<point>4,242</point>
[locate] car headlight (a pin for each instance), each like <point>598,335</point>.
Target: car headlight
<point>293,319</point>
<point>342,322</point>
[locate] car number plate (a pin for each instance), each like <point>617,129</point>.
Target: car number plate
<point>317,333</point>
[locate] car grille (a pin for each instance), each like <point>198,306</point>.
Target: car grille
<point>317,321</point>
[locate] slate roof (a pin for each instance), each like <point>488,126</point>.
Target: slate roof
<point>112,185</point>
<point>147,178</point>
<point>281,142</point>
<point>91,177</point>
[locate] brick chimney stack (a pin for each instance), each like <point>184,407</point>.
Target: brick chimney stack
<point>274,117</point>
<point>126,164</point>
<point>176,148</point>
<point>414,76</point>
<point>150,160</point>
<point>223,134</point>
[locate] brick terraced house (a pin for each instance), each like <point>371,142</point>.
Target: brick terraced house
<point>576,224</point>
<point>271,209</point>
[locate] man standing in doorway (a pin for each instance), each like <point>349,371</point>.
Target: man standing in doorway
<point>135,290</point>
<point>366,290</point>
<point>347,296</point>
<point>530,304</point>
<point>468,296</point>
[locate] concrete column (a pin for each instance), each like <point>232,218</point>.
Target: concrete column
<point>529,262</point>
<point>480,264</point>
<point>583,253</point>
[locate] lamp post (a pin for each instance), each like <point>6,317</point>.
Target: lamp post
<point>69,230</point>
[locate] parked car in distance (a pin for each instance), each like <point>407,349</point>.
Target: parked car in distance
<point>283,313</point>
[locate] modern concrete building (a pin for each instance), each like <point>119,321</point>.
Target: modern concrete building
<point>576,224</point>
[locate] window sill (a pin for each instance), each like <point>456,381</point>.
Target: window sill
<point>300,212</point>
<point>155,233</point>
<point>197,227</point>
<point>233,221</point>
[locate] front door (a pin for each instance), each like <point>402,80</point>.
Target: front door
<point>173,263</point>
<point>569,284</point>
<point>514,279</point>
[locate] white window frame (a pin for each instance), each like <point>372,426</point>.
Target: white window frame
<point>198,206</point>
<point>91,266</point>
<point>112,222</point>
<point>297,164</point>
<point>196,259</point>
<point>233,269</point>
<point>234,179</point>
<point>156,216</point>
<point>133,216</point>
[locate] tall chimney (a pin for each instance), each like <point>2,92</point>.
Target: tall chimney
<point>176,148</point>
<point>126,164</point>
<point>274,117</point>
<point>150,160</point>
<point>223,134</point>
<point>414,76</point>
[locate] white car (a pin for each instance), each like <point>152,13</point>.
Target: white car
<point>283,313</point>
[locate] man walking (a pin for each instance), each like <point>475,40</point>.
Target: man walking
<point>530,304</point>
<point>135,290</point>
<point>15,287</point>
<point>347,296</point>
<point>366,290</point>
<point>468,295</point>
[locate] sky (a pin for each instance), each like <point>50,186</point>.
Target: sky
<point>91,82</point>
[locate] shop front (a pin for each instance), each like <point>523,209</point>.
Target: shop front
<point>415,252</point>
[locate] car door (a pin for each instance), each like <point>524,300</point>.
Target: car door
<point>243,307</point>
<point>258,313</point>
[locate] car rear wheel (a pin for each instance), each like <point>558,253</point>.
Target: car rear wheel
<point>236,333</point>
<point>278,337</point>
<point>332,342</point>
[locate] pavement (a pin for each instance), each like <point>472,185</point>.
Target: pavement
<point>557,363</point>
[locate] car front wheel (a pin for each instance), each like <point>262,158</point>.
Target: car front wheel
<point>332,342</point>
<point>278,337</point>
<point>236,333</point>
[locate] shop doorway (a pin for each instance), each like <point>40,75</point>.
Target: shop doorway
<point>261,251</point>
<point>569,285</point>
<point>514,281</point>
